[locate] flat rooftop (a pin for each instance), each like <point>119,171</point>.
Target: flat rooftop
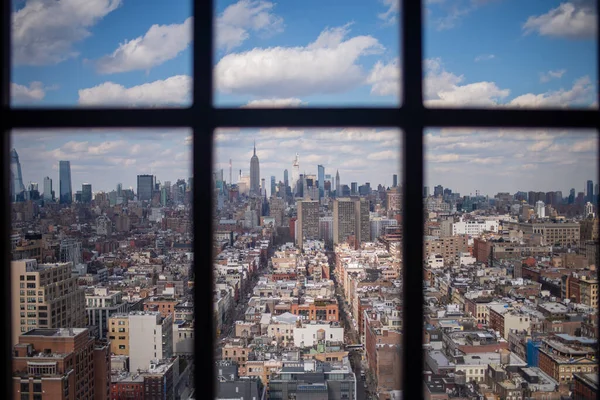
<point>58,332</point>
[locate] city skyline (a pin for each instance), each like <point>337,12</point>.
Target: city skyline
<point>464,160</point>
<point>104,157</point>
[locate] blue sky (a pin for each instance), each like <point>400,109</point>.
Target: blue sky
<point>488,53</point>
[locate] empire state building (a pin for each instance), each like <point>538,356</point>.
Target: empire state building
<point>254,174</point>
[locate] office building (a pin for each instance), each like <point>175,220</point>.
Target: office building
<point>64,181</point>
<point>44,296</point>
<point>273,186</point>
<point>48,196</point>
<point>590,191</point>
<point>353,188</point>
<point>254,174</point>
<point>286,182</point>
<point>295,175</point>
<point>425,191</point>
<point>86,193</point>
<point>57,364</point>
<point>338,185</point>
<point>321,180</point>
<point>438,191</point>
<point>277,210</point>
<point>145,187</point>
<point>308,221</point>
<point>395,180</point>
<point>17,186</point>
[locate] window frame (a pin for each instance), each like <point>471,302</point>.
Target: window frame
<point>411,117</point>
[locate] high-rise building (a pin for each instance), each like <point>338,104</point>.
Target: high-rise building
<point>145,187</point>
<point>17,186</point>
<point>354,188</point>
<point>425,191</point>
<point>120,190</point>
<point>286,180</point>
<point>86,193</point>
<point>295,176</point>
<point>571,196</point>
<point>363,224</point>
<point>308,221</point>
<point>64,181</point>
<point>540,209</point>
<point>395,180</point>
<point>47,294</point>
<point>48,189</point>
<point>321,180</point>
<point>59,364</point>
<point>590,191</point>
<point>438,191</point>
<point>254,174</point>
<point>338,184</point>
<point>273,186</point>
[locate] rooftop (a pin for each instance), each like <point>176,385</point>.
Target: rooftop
<point>58,332</point>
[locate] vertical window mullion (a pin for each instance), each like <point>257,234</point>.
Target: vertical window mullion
<point>202,78</point>
<point>412,353</point>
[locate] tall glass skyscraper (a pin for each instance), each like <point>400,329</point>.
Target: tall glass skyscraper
<point>321,180</point>
<point>145,187</point>
<point>86,193</point>
<point>64,181</point>
<point>17,186</point>
<point>48,189</point>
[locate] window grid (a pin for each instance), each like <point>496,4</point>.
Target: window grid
<point>412,117</point>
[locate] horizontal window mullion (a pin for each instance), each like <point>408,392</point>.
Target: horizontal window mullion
<point>363,117</point>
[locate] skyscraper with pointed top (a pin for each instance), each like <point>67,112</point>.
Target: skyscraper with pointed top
<point>338,184</point>
<point>254,174</point>
<point>17,186</point>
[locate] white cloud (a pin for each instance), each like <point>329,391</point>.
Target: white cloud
<point>575,20</point>
<point>442,158</point>
<point>484,57</point>
<point>160,44</point>
<point>385,78</point>
<point>587,145</point>
<point>385,155</point>
<point>390,16</point>
<point>44,32</point>
<point>582,92</point>
<point>328,65</point>
<point>487,160</point>
<point>237,20</point>
<point>442,89</point>
<point>547,76</point>
<point>541,145</point>
<point>275,103</point>
<point>171,91</point>
<point>27,94</point>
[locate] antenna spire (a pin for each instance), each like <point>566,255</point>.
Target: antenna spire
<point>254,146</point>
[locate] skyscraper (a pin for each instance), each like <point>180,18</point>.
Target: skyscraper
<point>86,193</point>
<point>17,186</point>
<point>145,187</point>
<point>395,180</point>
<point>295,175</point>
<point>286,181</point>
<point>338,185</point>
<point>321,180</point>
<point>254,174</point>
<point>273,186</point>
<point>64,181</point>
<point>48,189</point>
<point>590,191</point>
<point>119,190</point>
<point>308,221</point>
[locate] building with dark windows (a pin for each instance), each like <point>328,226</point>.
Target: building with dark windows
<point>321,180</point>
<point>86,193</point>
<point>145,187</point>
<point>17,187</point>
<point>64,181</point>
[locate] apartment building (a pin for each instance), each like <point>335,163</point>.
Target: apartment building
<point>44,296</point>
<point>307,224</point>
<point>119,334</point>
<point>63,363</point>
<point>100,304</point>
<point>150,338</point>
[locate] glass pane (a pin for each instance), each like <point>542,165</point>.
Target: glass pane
<point>511,256</point>
<point>306,54</point>
<point>308,261</point>
<point>102,260</point>
<point>533,54</point>
<point>101,53</point>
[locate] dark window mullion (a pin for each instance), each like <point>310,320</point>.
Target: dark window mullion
<point>203,129</point>
<point>412,217</point>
